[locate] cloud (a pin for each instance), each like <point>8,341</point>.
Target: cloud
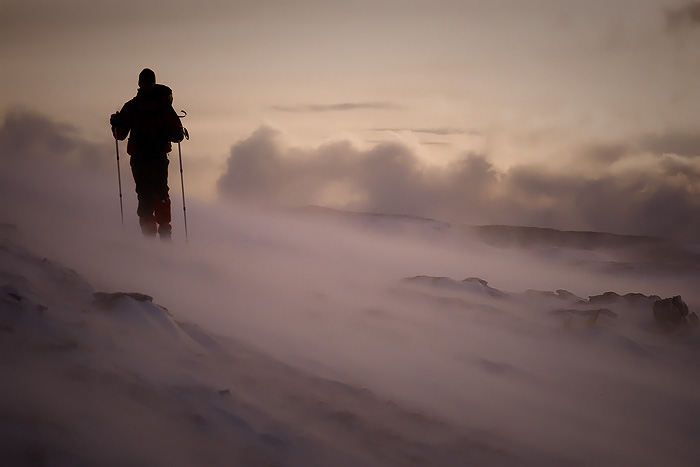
<point>339,107</point>
<point>658,199</point>
<point>644,202</point>
<point>686,16</point>
<point>685,144</point>
<point>438,131</point>
<point>263,168</point>
<point>605,153</point>
<point>29,137</point>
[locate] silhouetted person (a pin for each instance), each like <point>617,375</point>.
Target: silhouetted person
<point>154,125</point>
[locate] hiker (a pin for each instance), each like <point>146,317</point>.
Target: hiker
<point>154,125</point>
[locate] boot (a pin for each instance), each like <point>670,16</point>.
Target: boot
<point>165,230</point>
<point>149,227</point>
<point>162,217</point>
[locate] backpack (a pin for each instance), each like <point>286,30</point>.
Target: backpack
<point>168,122</point>
<point>152,121</point>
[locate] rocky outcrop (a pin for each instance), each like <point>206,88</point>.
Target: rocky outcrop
<point>483,286</point>
<point>108,301</point>
<point>470,284</point>
<point>673,313</point>
<point>632,299</point>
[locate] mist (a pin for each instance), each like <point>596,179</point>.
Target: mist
<point>377,302</point>
<point>642,187</point>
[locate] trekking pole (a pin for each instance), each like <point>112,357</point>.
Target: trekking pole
<point>182,176</point>
<point>119,177</point>
<point>182,182</point>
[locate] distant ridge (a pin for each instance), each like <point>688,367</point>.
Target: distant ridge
<point>505,235</point>
<point>373,216</point>
<point>321,209</point>
<point>627,250</point>
<point>527,237</point>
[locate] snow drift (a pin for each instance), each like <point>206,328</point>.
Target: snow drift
<point>325,354</point>
<point>113,379</point>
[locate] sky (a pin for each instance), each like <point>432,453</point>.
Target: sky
<point>551,113</point>
<point>565,114</point>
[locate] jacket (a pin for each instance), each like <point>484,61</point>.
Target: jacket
<point>150,121</point>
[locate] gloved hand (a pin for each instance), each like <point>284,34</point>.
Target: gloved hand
<point>115,119</point>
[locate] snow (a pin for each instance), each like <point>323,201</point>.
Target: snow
<point>302,337</point>
<point>113,379</point>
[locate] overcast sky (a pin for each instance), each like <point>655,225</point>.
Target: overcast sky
<point>551,99</point>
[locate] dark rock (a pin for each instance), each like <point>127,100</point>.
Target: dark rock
<point>477,279</point>
<point>108,300</point>
<point>17,297</point>
<point>560,294</point>
<point>466,285</point>
<point>485,287</point>
<point>693,320</point>
<point>566,295</point>
<point>672,312</point>
<point>607,297</point>
<point>638,297</point>
<point>433,280</point>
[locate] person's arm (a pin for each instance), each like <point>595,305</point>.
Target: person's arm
<point>122,121</point>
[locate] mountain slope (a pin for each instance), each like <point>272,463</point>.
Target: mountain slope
<point>114,379</point>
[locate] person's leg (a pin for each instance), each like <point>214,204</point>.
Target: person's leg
<point>163,217</point>
<point>161,204</point>
<point>144,190</point>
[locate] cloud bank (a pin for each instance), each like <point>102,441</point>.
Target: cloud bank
<point>647,187</point>
<point>27,136</point>
<point>654,198</point>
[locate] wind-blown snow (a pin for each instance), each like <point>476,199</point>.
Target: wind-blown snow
<point>306,337</point>
<point>114,379</point>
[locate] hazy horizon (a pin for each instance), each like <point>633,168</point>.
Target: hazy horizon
<point>266,169</point>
